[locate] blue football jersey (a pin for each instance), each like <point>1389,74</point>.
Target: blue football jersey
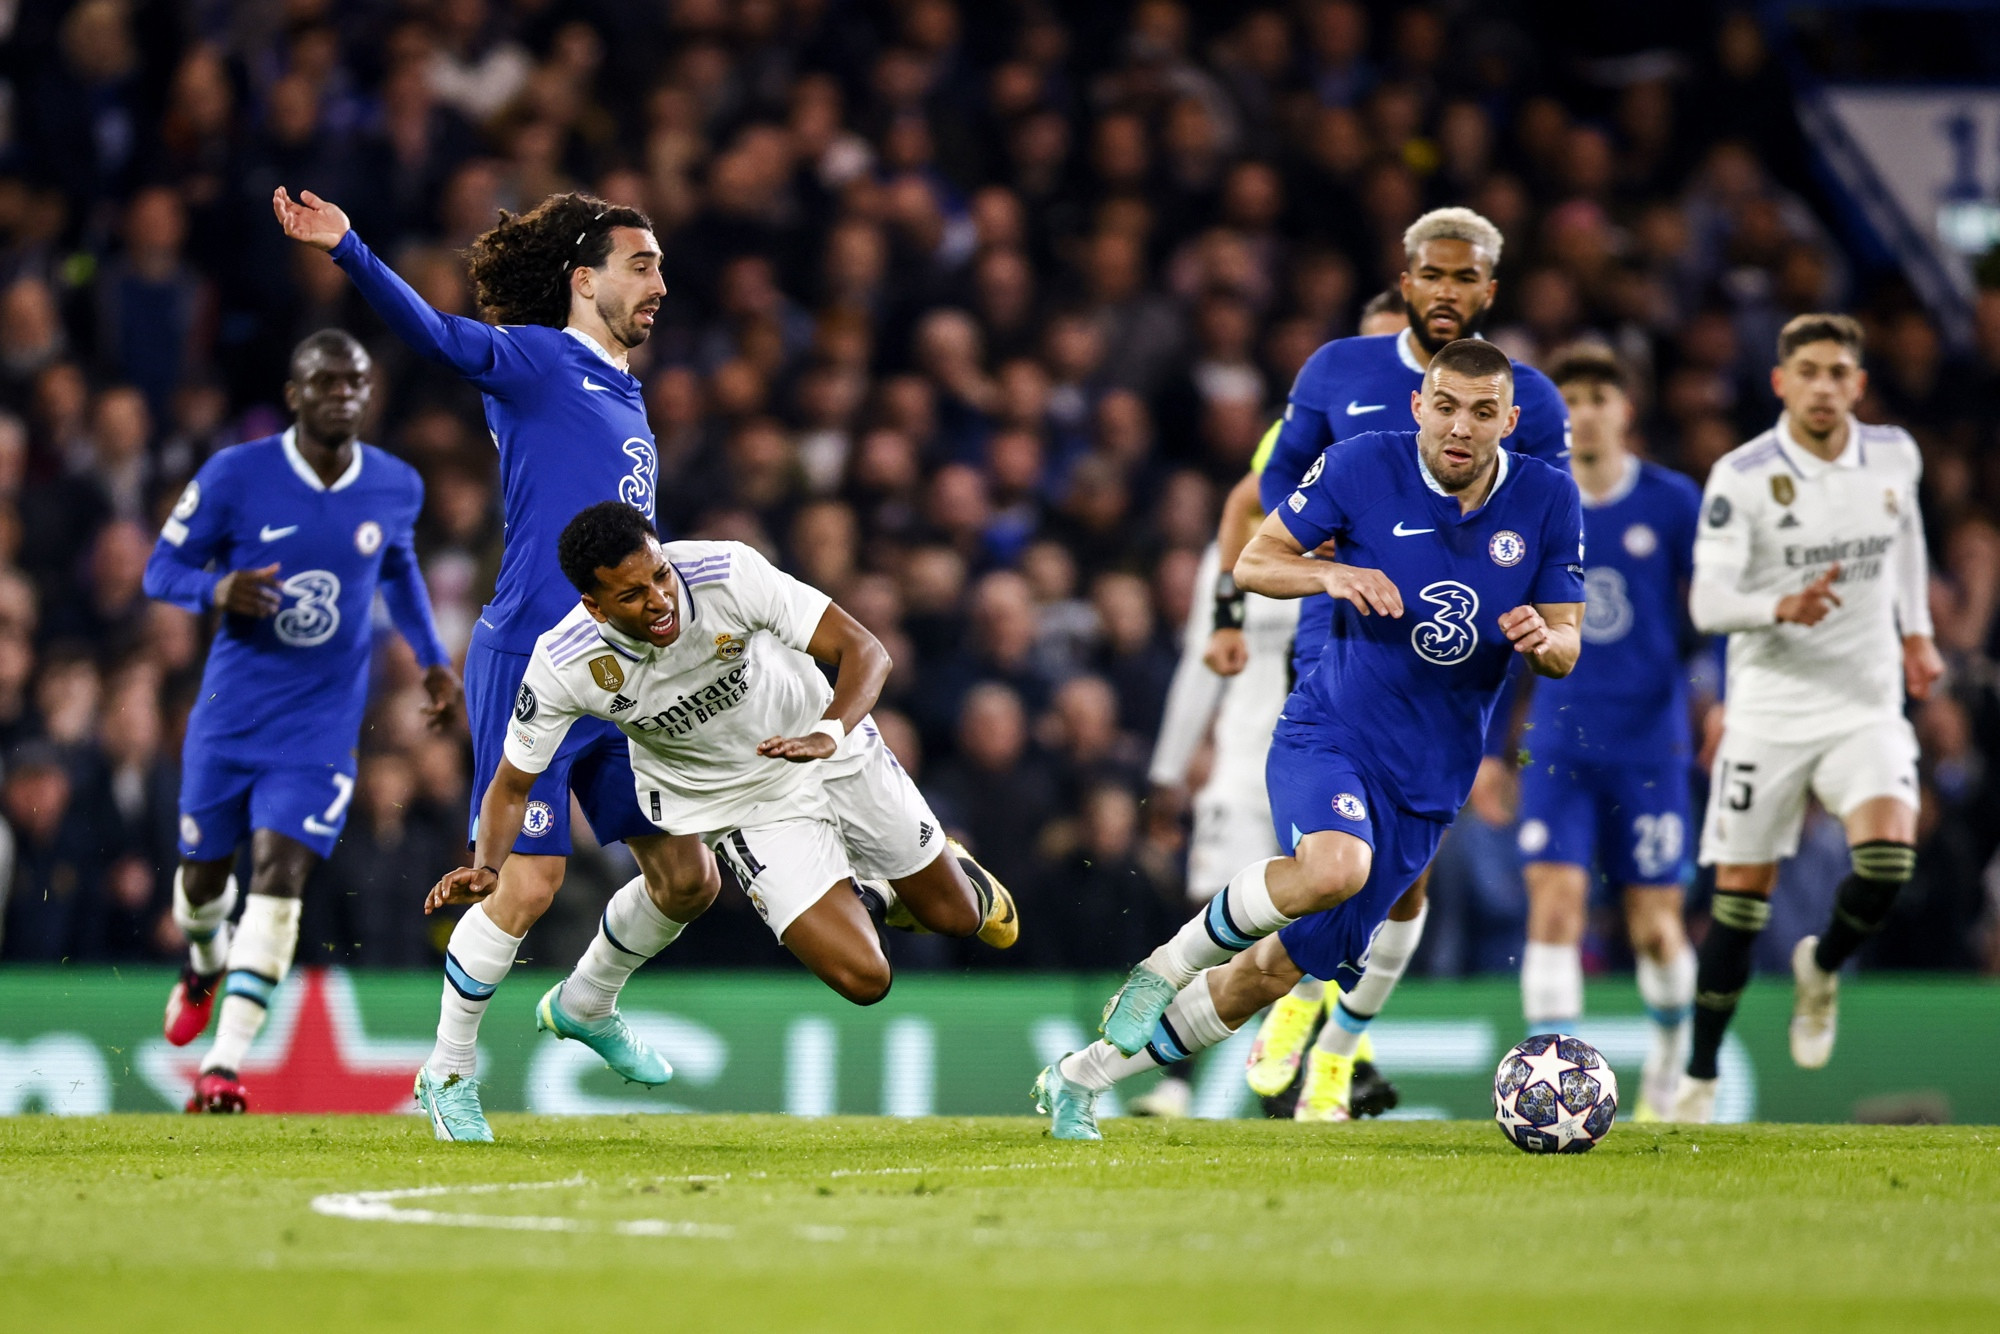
<point>1628,694</point>
<point>1358,386</point>
<point>570,427</point>
<point>289,689</point>
<point>1409,697</point>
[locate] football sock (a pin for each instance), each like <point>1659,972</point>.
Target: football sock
<point>1341,1034</point>
<point>1668,988</point>
<point>632,930</point>
<point>1881,868</point>
<point>1189,1025</point>
<point>1234,920</point>
<point>1551,986</point>
<point>1721,971</point>
<point>475,964</point>
<point>206,926</point>
<point>1395,944</point>
<point>260,954</point>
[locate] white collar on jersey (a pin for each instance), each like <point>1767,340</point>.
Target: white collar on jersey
<point>305,470</point>
<point>595,346</point>
<point>1619,491</point>
<point>1805,462</point>
<point>1406,348</point>
<point>1437,487</point>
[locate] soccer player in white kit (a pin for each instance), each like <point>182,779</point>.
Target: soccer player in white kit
<point>703,655</point>
<point>1810,556</point>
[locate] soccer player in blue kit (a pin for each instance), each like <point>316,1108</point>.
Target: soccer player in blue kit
<point>574,285</point>
<point>1343,391</point>
<point>289,537</point>
<point>1605,785</point>
<point>1439,530</point>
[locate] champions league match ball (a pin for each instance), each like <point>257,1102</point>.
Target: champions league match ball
<point>1554,1094</point>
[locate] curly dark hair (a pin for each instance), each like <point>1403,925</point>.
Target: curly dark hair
<point>598,538</point>
<point>520,269</point>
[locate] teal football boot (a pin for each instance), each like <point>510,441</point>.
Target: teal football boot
<point>453,1106</point>
<point>1070,1107</point>
<point>610,1037</point>
<point>1131,1015</point>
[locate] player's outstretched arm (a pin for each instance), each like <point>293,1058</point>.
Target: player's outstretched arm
<point>861,667</point>
<point>467,346</point>
<point>1549,635</point>
<point>501,811</point>
<point>1275,564</point>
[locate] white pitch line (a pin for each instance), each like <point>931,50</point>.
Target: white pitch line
<point>379,1206</point>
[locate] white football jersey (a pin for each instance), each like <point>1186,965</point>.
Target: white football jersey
<point>695,710</point>
<point>1775,518</point>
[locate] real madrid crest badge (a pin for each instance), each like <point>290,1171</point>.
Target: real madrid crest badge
<point>1782,490</point>
<point>607,673</point>
<point>728,647</point>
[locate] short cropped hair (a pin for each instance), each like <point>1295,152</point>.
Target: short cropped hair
<point>1474,357</point>
<point>600,538</point>
<point>1819,328</point>
<point>1388,301</point>
<point>1587,363</point>
<point>324,342</point>
<point>1453,224</point>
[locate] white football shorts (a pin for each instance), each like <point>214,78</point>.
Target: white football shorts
<point>1757,790</point>
<point>1230,832</point>
<point>885,823</point>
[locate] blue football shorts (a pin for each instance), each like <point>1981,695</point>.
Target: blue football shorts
<point>1629,821</point>
<point>222,800</point>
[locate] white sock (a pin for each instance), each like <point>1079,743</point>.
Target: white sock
<point>475,963</point>
<point>1552,986</point>
<point>1234,920</point>
<point>206,926</point>
<point>1189,1025</point>
<point>260,954</point>
<point>1668,991</point>
<point>632,930</point>
<point>1309,989</point>
<point>1388,955</point>
<point>1341,1034</point>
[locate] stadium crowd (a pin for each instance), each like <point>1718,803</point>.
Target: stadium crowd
<point>975,312</point>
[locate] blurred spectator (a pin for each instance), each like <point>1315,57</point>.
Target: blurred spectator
<point>975,313</point>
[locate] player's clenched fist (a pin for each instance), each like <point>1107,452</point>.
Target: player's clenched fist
<point>312,220</point>
<point>249,592</point>
<point>1525,630</point>
<point>1810,605</point>
<point>1227,653</point>
<point>1369,590</point>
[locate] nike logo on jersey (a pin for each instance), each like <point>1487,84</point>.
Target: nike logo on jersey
<point>1401,531</point>
<point>600,388</point>
<point>269,534</point>
<point>1355,409</point>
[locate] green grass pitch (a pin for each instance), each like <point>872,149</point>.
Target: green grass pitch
<point>762,1223</point>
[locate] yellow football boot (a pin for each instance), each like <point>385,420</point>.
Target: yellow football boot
<point>1281,1045</point>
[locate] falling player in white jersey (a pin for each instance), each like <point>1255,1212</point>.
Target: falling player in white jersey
<point>1811,558</point>
<point>702,654</point>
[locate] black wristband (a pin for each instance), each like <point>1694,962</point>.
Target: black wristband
<point>1228,602</point>
<point>484,867</point>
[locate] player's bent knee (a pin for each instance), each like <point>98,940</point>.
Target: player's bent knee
<point>865,984</point>
<point>1333,867</point>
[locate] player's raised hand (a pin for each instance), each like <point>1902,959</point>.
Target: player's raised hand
<point>312,220</point>
<point>1810,605</point>
<point>798,749</point>
<point>1227,652</point>
<point>1525,630</point>
<point>1923,666</point>
<point>447,703</point>
<point>249,592</point>
<point>1371,591</point>
<point>464,885</point>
